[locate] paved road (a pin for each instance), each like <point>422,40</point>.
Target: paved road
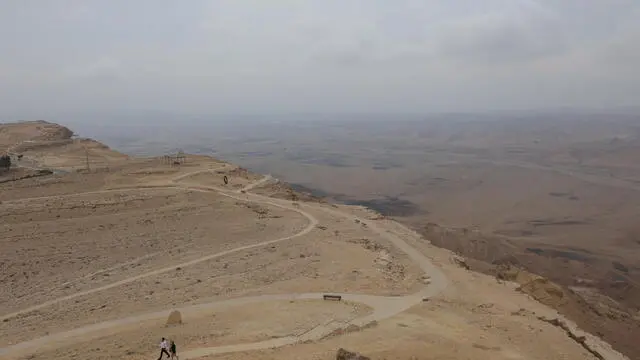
<point>383,306</point>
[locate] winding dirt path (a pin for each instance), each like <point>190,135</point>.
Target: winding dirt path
<point>264,179</point>
<point>383,306</point>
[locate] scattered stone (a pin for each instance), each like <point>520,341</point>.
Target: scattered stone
<point>351,328</point>
<point>368,244</point>
<point>484,309</point>
<point>520,312</point>
<point>484,347</point>
<point>175,318</point>
<point>460,261</point>
<point>370,324</point>
<point>348,355</point>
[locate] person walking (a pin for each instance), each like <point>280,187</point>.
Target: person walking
<point>164,347</point>
<point>172,350</point>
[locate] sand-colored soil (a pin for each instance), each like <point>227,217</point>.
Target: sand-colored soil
<point>233,325</point>
<point>94,275</point>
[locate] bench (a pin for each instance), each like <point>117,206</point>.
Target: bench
<point>332,297</point>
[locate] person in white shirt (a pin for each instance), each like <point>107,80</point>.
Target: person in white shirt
<point>164,348</point>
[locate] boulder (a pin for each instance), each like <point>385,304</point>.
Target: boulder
<point>343,354</point>
<point>175,318</point>
<point>460,261</point>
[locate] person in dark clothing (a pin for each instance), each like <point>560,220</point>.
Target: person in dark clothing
<point>172,350</point>
<point>164,346</point>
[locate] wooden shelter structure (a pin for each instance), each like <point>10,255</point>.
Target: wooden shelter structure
<point>175,159</point>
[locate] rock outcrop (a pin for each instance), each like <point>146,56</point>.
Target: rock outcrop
<point>460,261</point>
<point>343,354</point>
<point>175,318</point>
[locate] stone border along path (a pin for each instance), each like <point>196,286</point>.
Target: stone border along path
<point>383,306</point>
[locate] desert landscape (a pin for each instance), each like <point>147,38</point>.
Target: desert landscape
<point>521,194</point>
<point>100,249</point>
<point>359,180</point>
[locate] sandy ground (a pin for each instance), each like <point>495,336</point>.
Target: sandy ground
<point>122,232</point>
<point>233,325</point>
<point>94,276</point>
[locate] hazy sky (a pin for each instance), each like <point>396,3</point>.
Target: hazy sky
<point>266,56</point>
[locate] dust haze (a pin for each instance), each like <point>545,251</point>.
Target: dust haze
<point>399,178</point>
<point>553,192</point>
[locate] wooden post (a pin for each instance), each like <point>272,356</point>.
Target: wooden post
<point>86,154</point>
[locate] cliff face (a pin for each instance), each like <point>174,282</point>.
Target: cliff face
<point>547,279</point>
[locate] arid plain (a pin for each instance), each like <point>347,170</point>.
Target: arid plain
<point>99,250</point>
<point>551,193</point>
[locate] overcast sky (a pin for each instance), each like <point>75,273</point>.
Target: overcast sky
<point>272,56</point>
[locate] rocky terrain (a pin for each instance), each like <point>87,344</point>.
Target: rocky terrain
<point>99,253</point>
<point>550,193</point>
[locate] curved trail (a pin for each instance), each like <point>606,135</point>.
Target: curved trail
<point>312,223</point>
<point>264,179</point>
<point>383,306</point>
